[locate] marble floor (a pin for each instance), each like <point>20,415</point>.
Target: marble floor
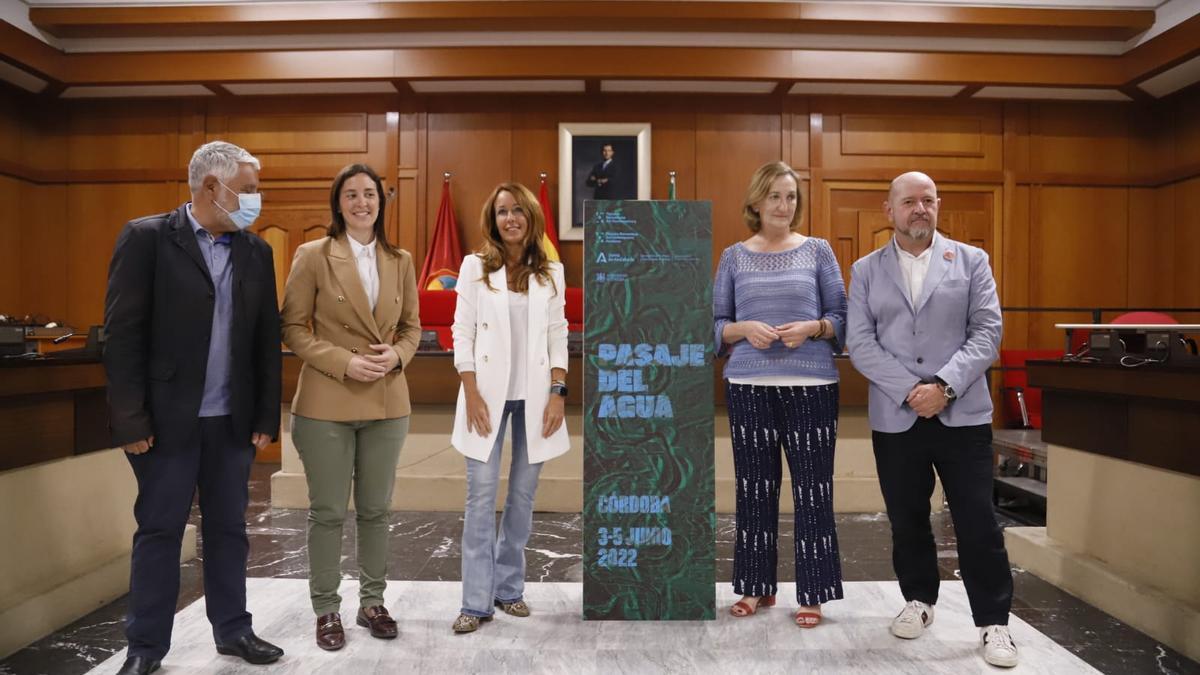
<point>425,548</point>
<point>853,638</point>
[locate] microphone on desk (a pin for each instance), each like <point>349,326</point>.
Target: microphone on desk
<point>62,338</point>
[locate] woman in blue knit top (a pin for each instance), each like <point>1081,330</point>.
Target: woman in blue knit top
<point>779,305</point>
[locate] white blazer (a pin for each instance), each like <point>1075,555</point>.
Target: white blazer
<point>482,334</point>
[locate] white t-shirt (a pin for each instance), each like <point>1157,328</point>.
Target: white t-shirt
<point>518,321</point>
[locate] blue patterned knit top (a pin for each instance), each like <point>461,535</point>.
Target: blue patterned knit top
<point>800,284</point>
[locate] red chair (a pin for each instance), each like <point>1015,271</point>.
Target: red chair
<point>1022,403</point>
<point>437,314</point>
<point>574,310</point>
<point>1152,318</point>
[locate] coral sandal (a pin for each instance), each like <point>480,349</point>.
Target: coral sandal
<point>806,618</point>
<point>742,608</point>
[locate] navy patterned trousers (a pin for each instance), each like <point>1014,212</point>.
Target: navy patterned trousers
<point>803,420</point>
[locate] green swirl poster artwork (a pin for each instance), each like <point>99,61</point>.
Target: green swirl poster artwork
<point>648,511</point>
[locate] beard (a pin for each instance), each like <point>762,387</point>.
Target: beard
<point>919,229</point>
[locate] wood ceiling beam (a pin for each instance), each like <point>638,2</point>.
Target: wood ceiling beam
<point>1173,46</point>
<point>575,15</point>
<point>591,62</point>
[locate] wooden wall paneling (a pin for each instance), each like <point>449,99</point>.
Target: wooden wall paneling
<point>856,221</point>
<point>796,109</point>
<point>1016,136</point>
<point>1187,246</point>
<point>10,245</point>
<point>729,147</point>
<point>859,225</point>
<point>1185,115</point>
<point>908,134</point>
<point>41,146</point>
<point>95,215</point>
<point>390,173</point>
<point>313,142</point>
<point>1080,138</point>
<point>1014,289</point>
<point>113,135</point>
<point>43,265</point>
<point>1151,237</point>
<point>192,126</point>
<point>290,134</point>
<point>407,202</point>
<point>1079,253</point>
<point>289,219</point>
<point>476,148</point>
<point>279,240</point>
<point>12,126</point>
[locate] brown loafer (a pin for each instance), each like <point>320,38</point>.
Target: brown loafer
<point>330,635</point>
<point>377,619</point>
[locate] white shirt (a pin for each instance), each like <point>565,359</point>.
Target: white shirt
<point>368,271</point>
<point>914,268</point>
<point>518,321</point>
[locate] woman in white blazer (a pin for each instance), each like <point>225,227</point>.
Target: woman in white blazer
<point>510,349</point>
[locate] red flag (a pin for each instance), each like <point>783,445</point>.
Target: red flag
<point>440,271</point>
<point>550,239</point>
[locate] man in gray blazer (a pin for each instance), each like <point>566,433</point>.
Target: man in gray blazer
<point>923,327</point>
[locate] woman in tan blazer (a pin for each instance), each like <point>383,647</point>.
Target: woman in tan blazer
<point>350,312</point>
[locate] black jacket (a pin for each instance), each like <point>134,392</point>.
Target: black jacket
<point>606,190</point>
<point>158,321</point>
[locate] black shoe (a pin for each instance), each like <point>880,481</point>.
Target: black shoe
<point>139,665</point>
<point>252,649</point>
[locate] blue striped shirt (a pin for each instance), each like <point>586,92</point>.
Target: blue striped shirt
<point>800,284</point>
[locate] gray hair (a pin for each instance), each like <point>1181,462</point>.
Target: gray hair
<point>219,159</point>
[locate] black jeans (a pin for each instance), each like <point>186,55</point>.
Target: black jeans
<point>962,457</point>
<point>208,459</point>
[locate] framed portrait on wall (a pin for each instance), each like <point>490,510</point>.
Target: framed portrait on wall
<point>599,161</point>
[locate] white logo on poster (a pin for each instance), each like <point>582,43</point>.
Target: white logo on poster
<point>600,257</point>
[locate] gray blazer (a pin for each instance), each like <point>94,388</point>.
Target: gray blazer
<point>953,332</point>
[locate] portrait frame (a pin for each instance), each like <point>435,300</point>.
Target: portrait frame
<point>571,192</point>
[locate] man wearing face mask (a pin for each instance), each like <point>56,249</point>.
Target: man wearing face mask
<point>193,364</point>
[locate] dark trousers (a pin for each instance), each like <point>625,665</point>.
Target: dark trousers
<point>962,457</point>
<point>804,421</point>
<point>209,459</point>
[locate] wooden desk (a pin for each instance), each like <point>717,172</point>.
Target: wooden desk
<point>1149,415</point>
<point>50,409</point>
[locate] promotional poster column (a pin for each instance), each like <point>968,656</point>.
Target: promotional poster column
<point>649,524</point>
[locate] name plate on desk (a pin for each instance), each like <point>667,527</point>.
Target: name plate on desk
<point>649,524</point>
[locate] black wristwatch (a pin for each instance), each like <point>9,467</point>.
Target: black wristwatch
<point>559,388</point>
<point>947,390</point>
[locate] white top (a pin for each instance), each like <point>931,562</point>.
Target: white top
<point>914,268</point>
<point>518,321</point>
<point>368,271</point>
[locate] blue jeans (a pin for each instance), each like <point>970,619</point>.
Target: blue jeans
<point>493,568</point>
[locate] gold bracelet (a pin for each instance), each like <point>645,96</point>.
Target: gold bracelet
<point>820,329</point>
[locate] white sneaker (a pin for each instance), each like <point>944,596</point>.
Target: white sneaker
<point>998,646</point>
<point>912,620</point>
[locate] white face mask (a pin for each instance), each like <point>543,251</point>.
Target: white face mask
<point>249,206</point>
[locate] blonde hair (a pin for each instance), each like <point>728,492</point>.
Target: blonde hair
<point>760,187</point>
<point>534,260</point>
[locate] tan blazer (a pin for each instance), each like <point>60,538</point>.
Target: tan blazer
<point>327,320</point>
